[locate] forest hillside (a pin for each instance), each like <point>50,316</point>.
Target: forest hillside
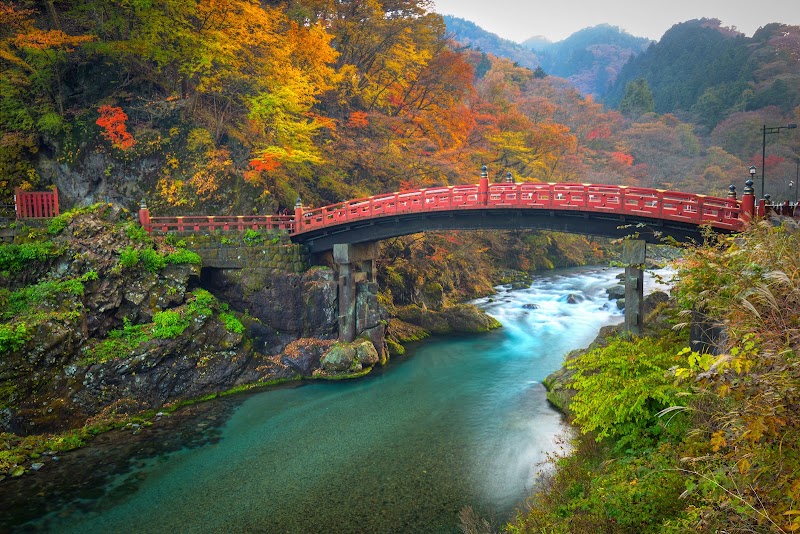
<point>241,107</point>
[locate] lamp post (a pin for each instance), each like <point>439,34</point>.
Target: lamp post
<point>764,131</point>
<point>796,181</point>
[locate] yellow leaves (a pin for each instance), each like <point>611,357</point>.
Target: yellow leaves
<point>718,440</point>
<point>743,466</point>
<point>172,191</point>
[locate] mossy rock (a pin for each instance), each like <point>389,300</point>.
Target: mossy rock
<point>469,319</point>
<point>350,357</point>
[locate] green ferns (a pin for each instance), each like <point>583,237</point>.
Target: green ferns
<point>622,387</point>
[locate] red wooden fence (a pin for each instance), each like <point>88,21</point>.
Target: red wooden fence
<point>36,204</point>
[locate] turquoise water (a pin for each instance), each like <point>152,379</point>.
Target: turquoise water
<point>462,422</point>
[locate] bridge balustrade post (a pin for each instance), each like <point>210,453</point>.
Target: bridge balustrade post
<point>483,187</point>
<point>298,215</point>
<point>633,256</point>
<point>144,216</point>
<point>747,209</point>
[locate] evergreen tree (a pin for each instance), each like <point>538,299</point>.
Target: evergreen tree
<point>638,99</point>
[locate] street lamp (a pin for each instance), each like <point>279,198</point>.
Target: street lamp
<point>796,181</point>
<point>764,131</point>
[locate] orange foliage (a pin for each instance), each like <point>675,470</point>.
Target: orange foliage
<point>601,132</point>
<point>622,158</point>
<point>43,40</point>
<point>112,120</point>
<point>358,119</point>
<point>265,164</point>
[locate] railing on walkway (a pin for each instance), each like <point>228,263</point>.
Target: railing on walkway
<point>666,205</point>
<point>211,223</point>
<point>36,204</point>
<point>721,213</point>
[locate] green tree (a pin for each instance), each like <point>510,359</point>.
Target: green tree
<point>638,99</point>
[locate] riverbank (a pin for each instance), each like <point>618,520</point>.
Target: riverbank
<point>673,440</point>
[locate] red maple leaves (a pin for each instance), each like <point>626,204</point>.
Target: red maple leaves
<point>112,121</point>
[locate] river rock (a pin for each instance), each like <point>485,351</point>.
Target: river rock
<point>366,354</point>
<point>616,292</point>
<point>304,355</point>
<point>530,306</point>
<point>340,357</point>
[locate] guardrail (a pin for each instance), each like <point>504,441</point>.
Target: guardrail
<point>720,213</point>
<point>199,223</point>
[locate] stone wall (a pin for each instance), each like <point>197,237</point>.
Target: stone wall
<point>274,252</point>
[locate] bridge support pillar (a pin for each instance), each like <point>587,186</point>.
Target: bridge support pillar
<point>633,256</point>
<point>356,264</point>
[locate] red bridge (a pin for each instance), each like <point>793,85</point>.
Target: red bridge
<point>602,210</point>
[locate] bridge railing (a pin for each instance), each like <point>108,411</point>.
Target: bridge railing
<point>723,213</point>
<point>655,203</point>
<point>422,200</point>
<point>210,223</point>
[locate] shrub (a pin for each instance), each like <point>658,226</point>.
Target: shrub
<point>168,324</point>
<point>12,337</point>
<point>621,387</point>
<point>14,258</point>
<point>152,260</point>
<point>58,223</point>
<point>184,256</point>
<point>129,257</point>
<point>201,304</point>
<point>136,233</point>
<point>232,323</point>
<point>252,237</point>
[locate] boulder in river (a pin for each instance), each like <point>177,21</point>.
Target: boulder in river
<point>616,292</point>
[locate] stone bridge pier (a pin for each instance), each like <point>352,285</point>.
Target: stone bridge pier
<point>359,313</point>
<point>633,256</point>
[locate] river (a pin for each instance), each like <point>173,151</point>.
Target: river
<point>459,422</point>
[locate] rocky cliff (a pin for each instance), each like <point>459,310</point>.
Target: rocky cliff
<point>100,320</point>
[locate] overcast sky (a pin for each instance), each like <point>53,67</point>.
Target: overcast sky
<point>518,20</point>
